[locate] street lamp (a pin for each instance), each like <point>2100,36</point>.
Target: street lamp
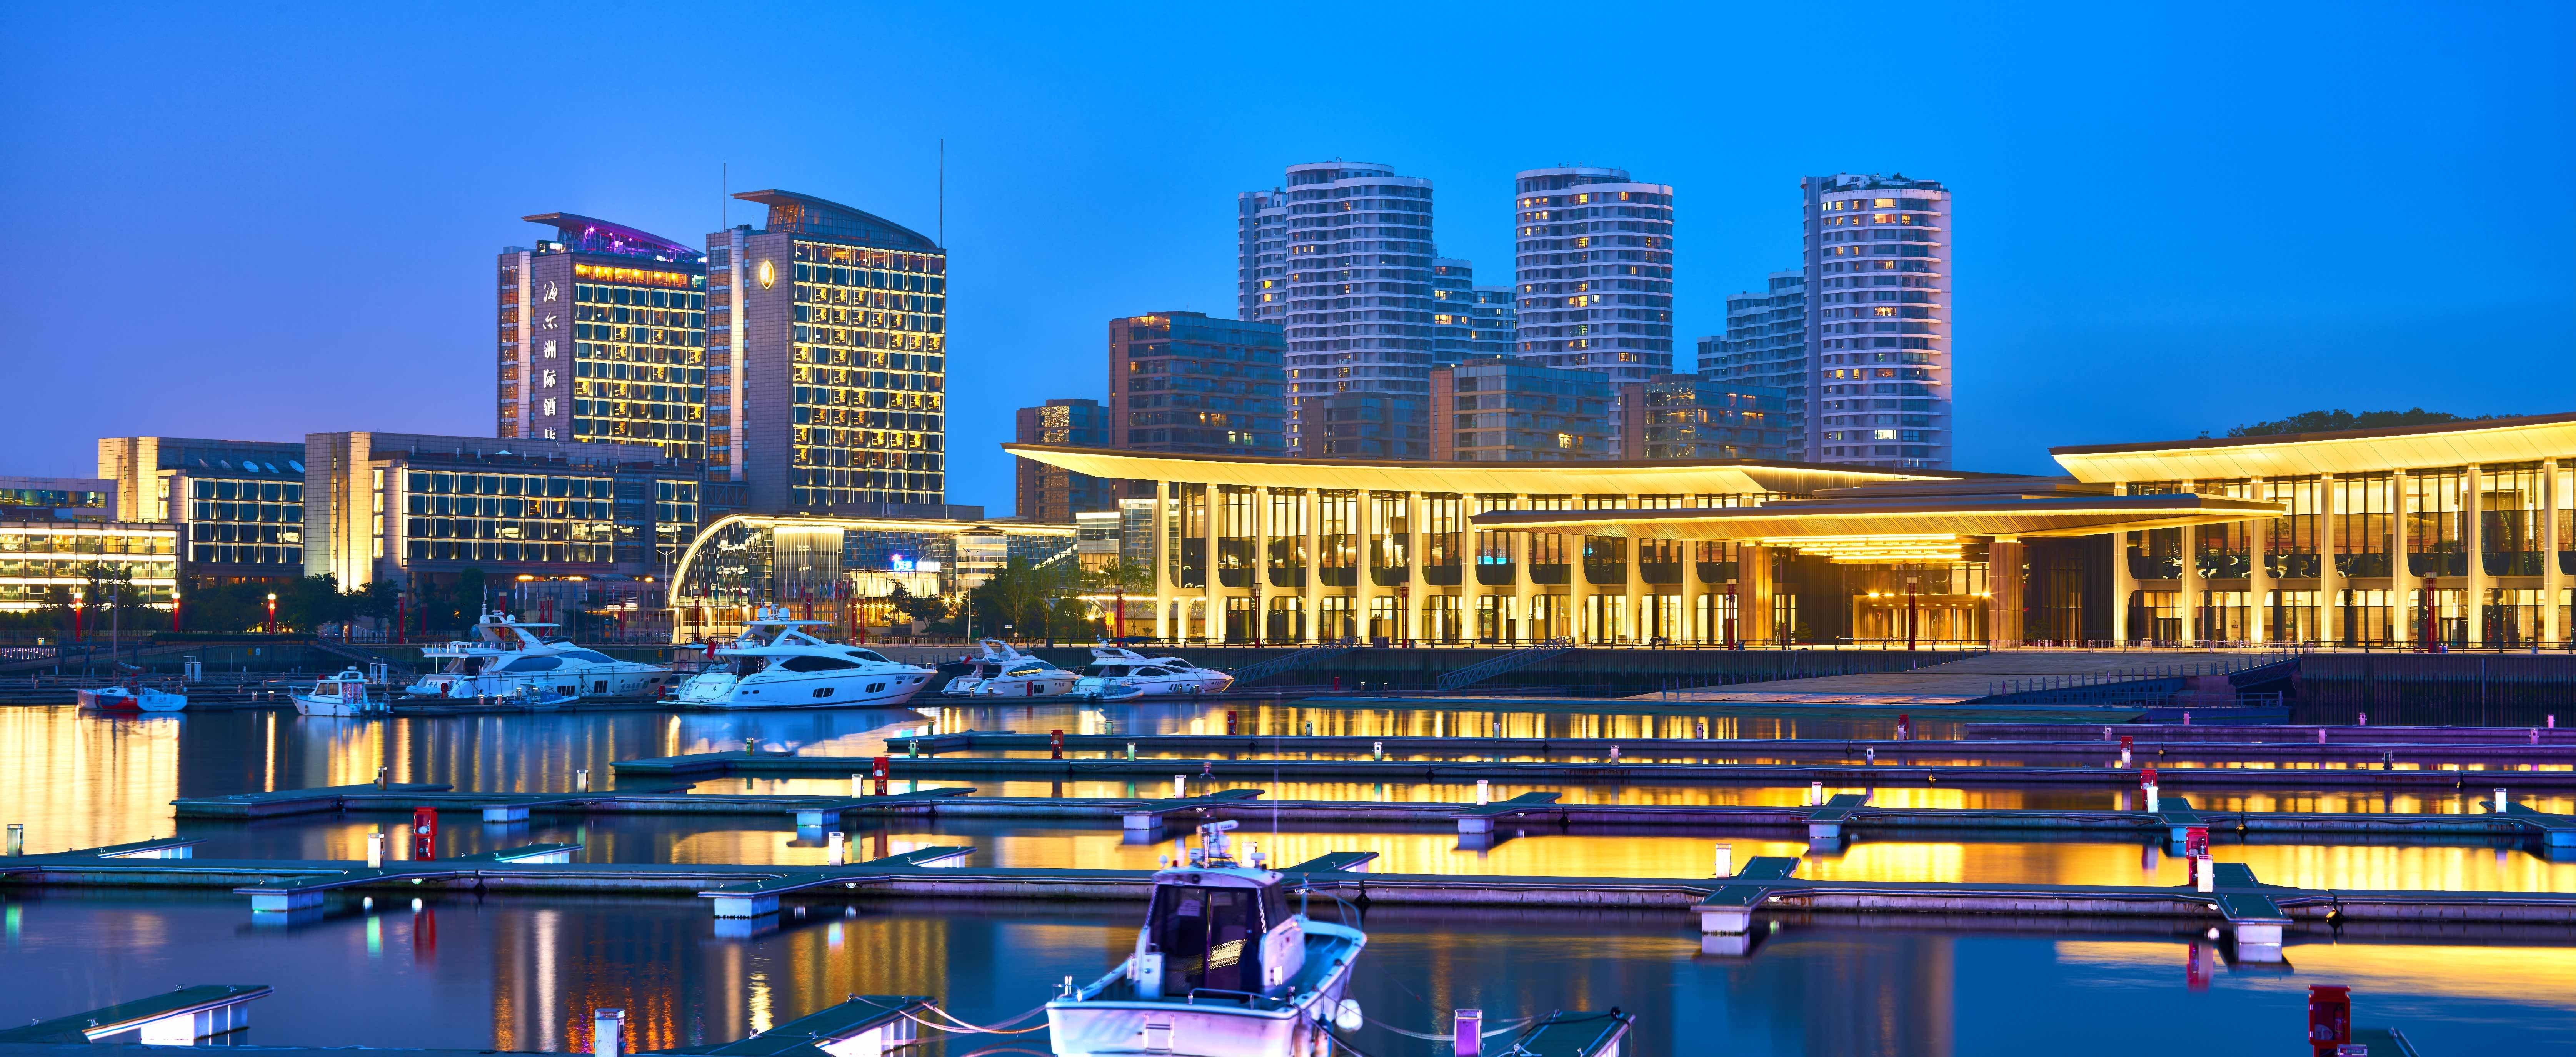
<point>272,612</point>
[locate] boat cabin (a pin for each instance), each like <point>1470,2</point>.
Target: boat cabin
<point>1218,931</point>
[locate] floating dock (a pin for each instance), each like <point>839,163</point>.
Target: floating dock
<point>2286,744</point>
<point>702,766</point>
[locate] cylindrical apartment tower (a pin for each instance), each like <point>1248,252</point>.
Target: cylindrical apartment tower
<point>1878,321</point>
<point>1595,261</point>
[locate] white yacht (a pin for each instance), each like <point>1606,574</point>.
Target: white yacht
<point>999,670</point>
<point>509,658</point>
<point>344,694</point>
<point>776,664</point>
<point>1112,667</point>
<point>1221,969</point>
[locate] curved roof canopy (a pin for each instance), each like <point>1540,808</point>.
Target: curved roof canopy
<point>1574,477</point>
<point>2487,441</point>
<point>593,235</point>
<point>807,215</point>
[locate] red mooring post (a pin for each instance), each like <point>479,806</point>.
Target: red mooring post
<point>424,833</point>
<point>1055,741</point>
<point>2329,1018</point>
<point>881,775</point>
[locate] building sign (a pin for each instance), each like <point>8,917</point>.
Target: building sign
<point>901,564</point>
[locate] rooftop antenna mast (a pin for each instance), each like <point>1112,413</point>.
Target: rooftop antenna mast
<point>724,199</point>
<point>943,190</point>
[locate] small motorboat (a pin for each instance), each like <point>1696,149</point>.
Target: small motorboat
<point>344,694</point>
<point>132,697</point>
<point>1221,969</point>
<point>999,670</point>
<point>1112,667</point>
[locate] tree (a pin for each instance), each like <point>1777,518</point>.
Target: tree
<point>309,603</point>
<point>916,607</point>
<point>1021,596</point>
<point>2338,420</point>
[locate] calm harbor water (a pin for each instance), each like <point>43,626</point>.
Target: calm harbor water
<point>518,972</point>
<point>512,973</point>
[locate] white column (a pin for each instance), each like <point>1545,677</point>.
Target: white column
<point>2473,507</point>
<point>1314,625</point>
<point>1691,591</point>
<point>2329,578</point>
<point>1256,586</point>
<point>1523,588</point>
<point>1364,592</point>
<point>2402,614</point>
<point>1415,584</point>
<point>2552,580</point>
<point>2124,583</point>
<point>1162,561</point>
<point>2193,585</point>
<point>2258,578</point>
<point>1578,591</point>
<point>1212,500</point>
<point>1635,552</point>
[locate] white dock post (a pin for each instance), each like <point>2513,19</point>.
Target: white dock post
<point>1467,1039</point>
<point>838,854</point>
<point>2500,800</point>
<point>2204,874</point>
<point>581,780</point>
<point>858,786</point>
<point>1180,786</point>
<point>1131,752</point>
<point>608,1032</point>
<point>376,849</point>
<point>1482,798</point>
<point>17,839</point>
<point>1726,860</point>
<point>1815,793</point>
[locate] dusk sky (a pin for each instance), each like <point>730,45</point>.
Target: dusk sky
<point>258,222</point>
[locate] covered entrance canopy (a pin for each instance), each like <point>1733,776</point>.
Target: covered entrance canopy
<point>1905,522</point>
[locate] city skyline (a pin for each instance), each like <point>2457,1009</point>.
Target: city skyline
<point>402,344</point>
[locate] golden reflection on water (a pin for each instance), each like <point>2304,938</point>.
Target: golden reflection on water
<point>2372,969</point>
<point>80,782</point>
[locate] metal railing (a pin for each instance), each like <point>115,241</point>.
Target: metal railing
<point>1477,673</point>
<point>1277,665</point>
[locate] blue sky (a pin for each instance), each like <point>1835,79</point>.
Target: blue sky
<point>261,222</point>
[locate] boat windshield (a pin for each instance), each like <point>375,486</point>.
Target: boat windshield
<point>1106,671</point>
<point>870,656</point>
<point>1210,937</point>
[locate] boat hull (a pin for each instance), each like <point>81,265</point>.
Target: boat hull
<point>117,699</point>
<point>819,690</point>
<point>1175,1029</point>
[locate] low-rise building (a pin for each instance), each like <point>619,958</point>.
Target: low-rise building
<point>845,569</point>
<point>1046,493</point>
<point>241,502</point>
<point>1505,409</point>
<point>1682,416</point>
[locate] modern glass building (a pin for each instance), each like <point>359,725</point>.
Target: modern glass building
<point>44,562</point>
<point>603,336</point>
<point>1595,271</point>
<point>1370,425</point>
<point>1505,409</point>
<point>1357,249</point>
<point>241,502</point>
<point>1682,416</point>
<point>1453,319</point>
<point>1878,323</point>
<point>410,508</point>
<point>827,357</point>
<point>1765,344</point>
<point>1493,315</point>
<point>1046,493</point>
<point>843,569</point>
<point>2461,532</point>
<point>1183,381</point>
<point>61,498</point>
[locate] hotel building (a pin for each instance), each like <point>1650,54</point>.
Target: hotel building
<point>408,507</point>
<point>603,336</point>
<point>1354,242</point>
<point>1878,321</point>
<point>1765,344</point>
<point>61,499</point>
<point>240,502</point>
<point>2459,533</point>
<point>46,563</point>
<point>1186,382</point>
<point>827,358</point>
<point>1048,493</point>
<point>1595,260</point>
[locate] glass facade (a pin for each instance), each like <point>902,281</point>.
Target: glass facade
<point>869,376</point>
<point>639,367</point>
<point>842,569</point>
<point>42,562</point>
<point>1766,345</point>
<point>1185,382</point>
<point>1686,417</point>
<point>246,521</point>
<point>1503,410</point>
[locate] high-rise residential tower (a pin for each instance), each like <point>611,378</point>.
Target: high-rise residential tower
<point>1878,321</point>
<point>603,337</point>
<point>1052,493</point>
<point>1765,344</point>
<point>1356,244</point>
<point>1595,272</point>
<point>1493,314</point>
<point>829,358</point>
<point>1453,319</point>
<point>1187,382</point>
<point>1261,256</point>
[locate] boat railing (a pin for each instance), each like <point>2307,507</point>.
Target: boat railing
<point>1247,998</point>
